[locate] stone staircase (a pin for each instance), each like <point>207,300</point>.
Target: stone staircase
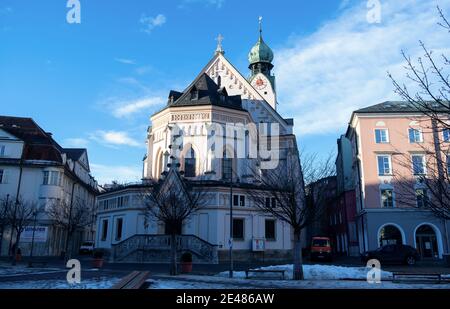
<point>156,249</point>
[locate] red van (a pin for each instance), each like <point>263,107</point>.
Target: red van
<point>321,249</point>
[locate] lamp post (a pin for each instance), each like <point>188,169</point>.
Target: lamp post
<point>231,226</point>
<point>231,222</point>
<point>30,262</point>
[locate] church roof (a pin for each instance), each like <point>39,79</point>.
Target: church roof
<point>204,91</point>
<point>261,52</point>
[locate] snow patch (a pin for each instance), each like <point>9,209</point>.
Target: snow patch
<point>314,272</point>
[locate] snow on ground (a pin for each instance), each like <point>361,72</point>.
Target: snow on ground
<point>10,271</point>
<point>181,284</point>
<point>97,283</point>
<point>215,282</point>
<point>314,272</point>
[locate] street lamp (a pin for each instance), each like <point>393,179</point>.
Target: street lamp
<point>30,262</point>
<point>231,222</point>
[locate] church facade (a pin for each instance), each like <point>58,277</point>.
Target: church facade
<point>223,130</point>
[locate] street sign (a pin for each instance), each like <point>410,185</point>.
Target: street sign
<point>259,244</point>
<point>40,234</point>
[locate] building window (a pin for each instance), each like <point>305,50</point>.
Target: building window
<point>387,198</point>
<point>122,201</point>
<point>189,163</point>
<point>2,150</point>
<point>119,227</point>
<point>104,230</point>
<point>271,202</point>
<point>446,134</point>
<point>52,178</point>
<point>421,198</point>
<point>381,136</point>
<point>239,200</point>
<point>238,229</point>
<point>227,168</point>
<point>415,135</point>
<point>418,162</point>
<point>270,229</point>
<point>384,165</point>
<point>194,94</point>
<point>2,173</point>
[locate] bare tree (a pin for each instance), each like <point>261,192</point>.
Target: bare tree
<point>71,216</point>
<point>428,188</point>
<point>5,204</point>
<point>281,193</point>
<point>430,74</point>
<point>172,200</point>
<point>19,216</point>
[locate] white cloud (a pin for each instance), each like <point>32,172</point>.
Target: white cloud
<point>125,61</point>
<point>115,138</point>
<point>106,174</point>
<point>151,23</point>
<point>127,108</point>
<point>143,70</point>
<point>323,77</point>
<point>77,142</point>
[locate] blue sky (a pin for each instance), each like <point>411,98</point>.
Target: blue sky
<point>95,84</point>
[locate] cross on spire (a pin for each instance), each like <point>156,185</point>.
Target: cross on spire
<point>260,24</point>
<point>219,49</point>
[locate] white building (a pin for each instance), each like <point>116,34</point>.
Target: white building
<point>212,129</point>
<point>35,169</point>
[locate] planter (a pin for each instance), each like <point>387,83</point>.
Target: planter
<point>97,263</point>
<point>186,267</point>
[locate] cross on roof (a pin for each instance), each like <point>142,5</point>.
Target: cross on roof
<point>219,48</point>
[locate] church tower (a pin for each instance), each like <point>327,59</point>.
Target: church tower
<point>260,59</point>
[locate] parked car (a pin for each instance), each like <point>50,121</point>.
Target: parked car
<point>390,254</point>
<point>321,249</point>
<point>87,247</point>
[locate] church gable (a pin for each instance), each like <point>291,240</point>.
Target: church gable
<point>222,71</point>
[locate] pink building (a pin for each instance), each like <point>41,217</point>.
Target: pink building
<point>391,147</point>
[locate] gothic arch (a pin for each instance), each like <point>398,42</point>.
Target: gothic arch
<point>184,155</point>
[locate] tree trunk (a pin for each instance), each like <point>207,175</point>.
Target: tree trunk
<point>173,251</point>
<point>67,248</point>
<point>15,248</point>
<point>298,262</point>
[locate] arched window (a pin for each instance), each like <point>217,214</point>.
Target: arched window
<point>227,167</point>
<point>189,163</point>
<point>159,164</point>
<point>390,235</point>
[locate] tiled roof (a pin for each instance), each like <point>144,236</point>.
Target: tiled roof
<point>204,91</point>
<point>400,107</point>
<point>74,153</point>
<point>39,145</point>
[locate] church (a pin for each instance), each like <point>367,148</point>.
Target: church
<point>218,131</point>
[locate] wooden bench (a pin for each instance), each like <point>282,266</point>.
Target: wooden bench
<point>133,281</point>
<point>273,271</point>
<point>418,277</point>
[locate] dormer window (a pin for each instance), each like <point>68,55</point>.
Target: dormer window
<point>194,94</point>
